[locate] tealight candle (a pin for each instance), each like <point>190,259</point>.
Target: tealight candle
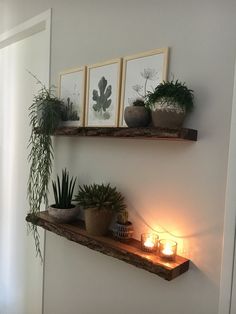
<point>149,242</point>
<point>167,249</point>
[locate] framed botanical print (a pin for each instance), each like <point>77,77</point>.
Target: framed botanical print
<point>141,73</point>
<point>102,94</point>
<point>72,92</point>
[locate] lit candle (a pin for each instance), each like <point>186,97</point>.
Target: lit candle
<point>149,242</point>
<point>167,249</point>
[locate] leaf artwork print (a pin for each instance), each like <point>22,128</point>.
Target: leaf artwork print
<point>102,101</point>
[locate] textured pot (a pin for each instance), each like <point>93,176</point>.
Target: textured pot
<point>136,116</point>
<point>97,221</point>
<point>168,115</point>
<point>63,215</point>
<point>123,232</point>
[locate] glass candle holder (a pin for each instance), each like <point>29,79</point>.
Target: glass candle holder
<point>167,249</point>
<point>149,242</point>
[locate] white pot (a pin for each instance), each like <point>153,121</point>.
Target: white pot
<point>63,215</point>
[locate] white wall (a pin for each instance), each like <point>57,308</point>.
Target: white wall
<point>21,274</point>
<point>180,186</point>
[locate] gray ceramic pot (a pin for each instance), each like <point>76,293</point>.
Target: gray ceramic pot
<point>136,116</point>
<point>168,115</point>
<point>63,215</point>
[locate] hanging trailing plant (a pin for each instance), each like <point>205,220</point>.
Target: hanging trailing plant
<point>45,116</point>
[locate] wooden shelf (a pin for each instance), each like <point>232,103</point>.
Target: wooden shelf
<point>138,133</point>
<point>129,253</point>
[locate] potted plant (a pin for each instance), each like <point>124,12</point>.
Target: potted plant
<point>45,115</point>
<point>137,115</point>
<point>169,103</point>
<point>123,230</point>
<point>63,210</point>
<point>69,115</point>
<point>99,201</point>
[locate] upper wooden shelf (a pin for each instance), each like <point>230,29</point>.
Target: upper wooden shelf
<point>130,253</point>
<point>138,133</point>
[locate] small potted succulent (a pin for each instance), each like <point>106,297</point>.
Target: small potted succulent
<point>169,103</point>
<point>63,210</point>
<point>100,202</point>
<point>123,230</point>
<point>137,115</point>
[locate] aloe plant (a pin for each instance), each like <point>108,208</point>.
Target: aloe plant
<point>63,190</point>
<point>100,196</point>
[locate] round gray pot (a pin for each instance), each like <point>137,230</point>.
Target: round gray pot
<point>136,116</point>
<point>63,215</point>
<point>168,115</point>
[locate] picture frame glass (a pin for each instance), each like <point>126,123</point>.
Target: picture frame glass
<point>103,95</point>
<point>141,75</point>
<point>71,91</point>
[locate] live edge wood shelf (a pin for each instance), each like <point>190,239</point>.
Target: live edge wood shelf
<point>137,133</point>
<point>129,253</point>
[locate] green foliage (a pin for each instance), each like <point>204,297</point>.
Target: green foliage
<point>102,98</point>
<point>63,191</point>
<point>100,196</point>
<point>122,217</point>
<point>68,112</point>
<point>44,115</point>
<point>171,91</point>
<point>139,103</point>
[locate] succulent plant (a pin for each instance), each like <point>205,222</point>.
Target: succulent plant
<point>63,191</point>
<point>122,217</point>
<point>139,103</point>
<point>100,196</point>
<point>102,101</point>
<point>171,91</point>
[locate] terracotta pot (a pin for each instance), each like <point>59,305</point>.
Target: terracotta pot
<point>168,115</point>
<point>136,116</point>
<point>97,221</point>
<point>123,232</point>
<point>63,215</point>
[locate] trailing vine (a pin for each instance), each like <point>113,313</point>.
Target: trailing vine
<point>45,116</point>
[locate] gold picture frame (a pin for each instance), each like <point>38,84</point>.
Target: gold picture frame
<point>140,73</point>
<point>71,89</point>
<point>103,94</point>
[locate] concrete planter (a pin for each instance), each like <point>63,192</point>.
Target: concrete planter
<point>63,215</point>
<point>137,116</point>
<point>168,115</point>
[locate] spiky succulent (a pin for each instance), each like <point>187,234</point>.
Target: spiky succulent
<point>171,91</point>
<point>100,196</point>
<point>63,190</point>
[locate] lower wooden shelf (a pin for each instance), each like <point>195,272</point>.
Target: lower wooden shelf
<point>129,253</point>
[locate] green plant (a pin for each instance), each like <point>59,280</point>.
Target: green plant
<point>171,91</point>
<point>63,191</point>
<point>138,103</point>
<point>44,113</point>
<point>102,99</point>
<point>122,217</point>
<point>68,111</point>
<point>100,196</point>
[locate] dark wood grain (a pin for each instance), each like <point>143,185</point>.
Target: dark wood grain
<point>129,253</point>
<point>138,133</point>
